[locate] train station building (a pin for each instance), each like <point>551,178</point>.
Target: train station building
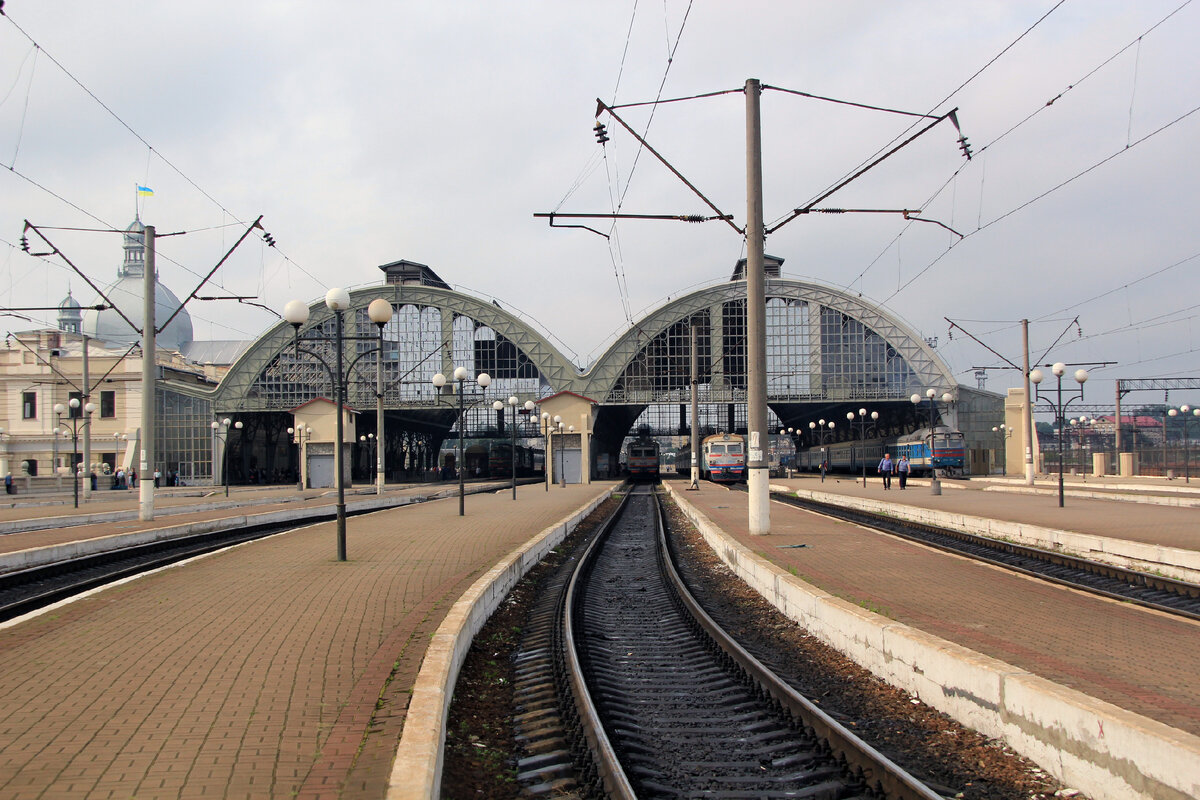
<point>829,354</point>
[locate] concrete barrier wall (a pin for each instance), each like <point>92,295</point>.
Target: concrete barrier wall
<point>1173,562</point>
<point>417,770</point>
<point>1105,751</point>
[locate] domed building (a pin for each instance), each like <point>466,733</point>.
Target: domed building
<point>70,315</point>
<point>110,327</point>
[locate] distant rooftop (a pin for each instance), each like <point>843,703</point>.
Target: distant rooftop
<point>410,272</point>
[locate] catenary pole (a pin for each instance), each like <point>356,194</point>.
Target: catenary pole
<point>1027,408</point>
<point>146,482</point>
<point>695,426</point>
<point>756,328</point>
<point>87,425</point>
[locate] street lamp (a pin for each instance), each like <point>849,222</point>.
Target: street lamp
<point>863,427</point>
<point>546,447</point>
<point>439,380</point>
<point>368,441</point>
<point>337,300</point>
<point>1186,411</point>
<point>221,431</point>
<point>300,436</point>
<point>74,420</point>
<point>935,486</point>
<point>499,406</point>
<point>1005,434</point>
<point>562,476</point>
<point>1059,406</point>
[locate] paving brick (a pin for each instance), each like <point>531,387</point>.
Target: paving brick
<point>250,673</point>
<point>1137,659</point>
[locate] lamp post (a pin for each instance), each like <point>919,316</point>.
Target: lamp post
<point>1005,434</point>
<point>562,476</point>
<point>935,486</point>
<point>74,420</point>
<point>337,300</point>
<point>499,406</point>
<point>221,430</point>
<point>863,426</point>
<point>439,380</point>
<point>1059,406</point>
<point>300,436</point>
<point>368,441</point>
<point>1185,411</point>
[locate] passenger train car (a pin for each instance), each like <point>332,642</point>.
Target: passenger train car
<point>948,455</point>
<point>723,458</point>
<point>642,460</point>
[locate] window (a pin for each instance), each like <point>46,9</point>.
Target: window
<point>108,404</point>
<point>29,405</point>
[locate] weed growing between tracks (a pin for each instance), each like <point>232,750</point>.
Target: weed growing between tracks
<point>481,751</point>
<point>950,758</point>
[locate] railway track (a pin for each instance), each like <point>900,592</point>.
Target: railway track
<point>652,699</point>
<point>1143,588</point>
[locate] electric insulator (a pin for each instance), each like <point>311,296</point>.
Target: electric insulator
<point>25,243</point>
<point>601,133</point>
<point>965,146</point>
<point>269,239</point>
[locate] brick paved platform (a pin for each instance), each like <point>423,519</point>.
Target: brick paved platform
<point>1139,660</point>
<point>268,670</point>
<point>1150,524</point>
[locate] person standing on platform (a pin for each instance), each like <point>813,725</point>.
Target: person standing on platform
<point>885,470</point>
<point>8,487</point>
<point>902,469</point>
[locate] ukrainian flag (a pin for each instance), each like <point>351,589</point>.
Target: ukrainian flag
<point>145,191</point>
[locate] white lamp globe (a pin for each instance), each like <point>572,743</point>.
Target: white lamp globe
<point>379,311</point>
<point>296,312</point>
<point>1081,376</point>
<point>1058,369</point>
<point>337,299</point>
<point>1036,376</point>
<point>484,380</point>
<point>916,398</point>
<point>439,380</point>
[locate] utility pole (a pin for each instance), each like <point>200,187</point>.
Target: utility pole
<point>757,479</point>
<point>145,468</point>
<point>1027,408</point>
<point>87,426</point>
<point>695,430</point>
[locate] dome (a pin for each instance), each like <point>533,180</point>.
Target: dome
<point>69,303</point>
<point>126,294</point>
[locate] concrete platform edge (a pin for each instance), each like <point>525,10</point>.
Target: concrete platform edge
<point>417,769</point>
<point>38,556</point>
<point>1088,744</point>
<point>1172,562</point>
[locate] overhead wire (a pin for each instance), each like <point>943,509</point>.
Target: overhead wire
<point>1042,107</point>
<point>38,47</point>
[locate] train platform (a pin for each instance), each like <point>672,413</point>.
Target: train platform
<point>1101,514</point>
<point>971,639</point>
<point>266,670</point>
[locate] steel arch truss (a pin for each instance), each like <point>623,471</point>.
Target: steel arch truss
<point>823,345</point>
<point>432,330</point>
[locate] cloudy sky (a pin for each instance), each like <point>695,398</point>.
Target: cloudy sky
<point>366,132</point>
